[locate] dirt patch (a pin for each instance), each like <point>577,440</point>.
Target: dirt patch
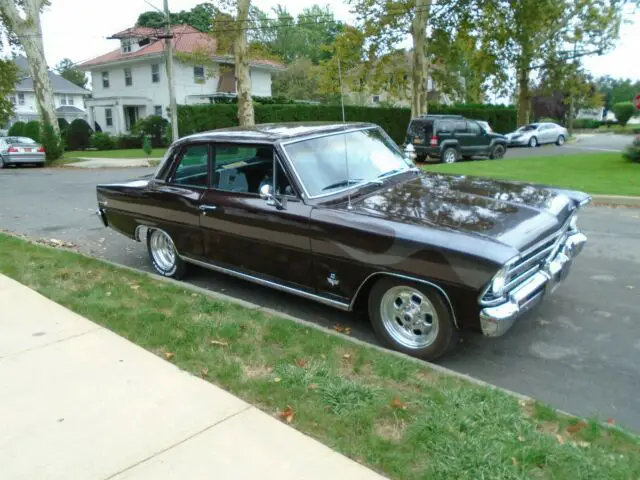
<point>390,430</point>
<point>256,371</point>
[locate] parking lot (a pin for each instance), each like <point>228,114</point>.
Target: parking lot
<point>578,352</point>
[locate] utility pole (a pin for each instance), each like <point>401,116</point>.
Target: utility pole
<point>169,52</point>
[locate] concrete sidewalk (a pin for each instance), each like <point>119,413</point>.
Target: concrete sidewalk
<point>89,162</point>
<point>79,402</point>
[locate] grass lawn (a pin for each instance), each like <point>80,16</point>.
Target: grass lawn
<point>604,173</point>
<point>126,153</point>
<point>392,414</point>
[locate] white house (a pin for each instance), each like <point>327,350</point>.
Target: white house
<point>69,98</point>
<point>131,82</point>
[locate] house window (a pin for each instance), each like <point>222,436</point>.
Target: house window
<point>108,117</point>
<point>375,99</point>
<point>128,79</point>
<point>105,79</point>
<point>198,74</point>
<point>126,46</point>
<point>70,100</point>
<point>155,73</point>
<point>157,110</point>
<point>63,100</point>
<point>21,99</point>
<point>12,99</point>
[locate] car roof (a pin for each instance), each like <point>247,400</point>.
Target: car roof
<point>274,132</point>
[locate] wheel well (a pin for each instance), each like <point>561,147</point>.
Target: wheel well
<point>360,303</point>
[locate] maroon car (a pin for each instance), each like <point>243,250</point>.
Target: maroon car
<point>337,214</point>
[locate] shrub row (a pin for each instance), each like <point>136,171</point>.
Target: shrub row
<point>200,118</point>
<point>105,141</point>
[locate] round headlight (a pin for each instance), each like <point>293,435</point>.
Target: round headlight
<point>573,223</point>
<point>498,283</point>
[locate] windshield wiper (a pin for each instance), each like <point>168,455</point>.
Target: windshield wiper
<point>352,181</point>
<point>391,172</point>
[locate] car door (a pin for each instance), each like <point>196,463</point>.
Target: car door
<point>464,138</point>
<point>478,139</point>
<point>174,205</point>
<point>546,133</point>
<point>248,234</point>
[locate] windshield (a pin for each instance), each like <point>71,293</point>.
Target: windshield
<point>19,140</point>
<point>321,162</point>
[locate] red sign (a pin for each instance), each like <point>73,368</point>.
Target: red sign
<point>637,101</point>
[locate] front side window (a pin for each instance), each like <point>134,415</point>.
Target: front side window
<point>108,117</point>
<point>192,169</point>
<point>198,74</point>
<point>474,128</point>
<point>128,78</point>
<point>21,99</point>
<point>155,73</point>
<point>321,163</point>
<point>105,79</point>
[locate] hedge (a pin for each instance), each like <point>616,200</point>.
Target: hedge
<point>200,118</point>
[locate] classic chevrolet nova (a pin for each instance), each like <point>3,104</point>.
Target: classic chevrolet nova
<point>337,214</point>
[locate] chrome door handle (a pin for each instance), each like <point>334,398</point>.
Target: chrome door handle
<point>207,208</point>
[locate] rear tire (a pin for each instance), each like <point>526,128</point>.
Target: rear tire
<point>449,155</point>
<point>560,141</point>
<point>1,163</point>
<point>497,152</point>
<point>411,318</point>
<point>164,256</point>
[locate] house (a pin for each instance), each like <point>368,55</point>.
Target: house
<point>130,82</point>
<point>69,98</point>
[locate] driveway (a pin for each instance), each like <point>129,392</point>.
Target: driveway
<point>578,352</point>
<point>587,143</point>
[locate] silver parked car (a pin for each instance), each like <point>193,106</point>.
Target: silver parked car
<point>536,134</point>
<point>20,150</point>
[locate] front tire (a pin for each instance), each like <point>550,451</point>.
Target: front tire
<point>533,142</point>
<point>164,256</point>
<point>449,155</point>
<point>1,163</point>
<point>411,318</point>
<point>497,152</point>
<point>560,141</point>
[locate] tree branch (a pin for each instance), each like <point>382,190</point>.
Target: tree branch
<point>12,16</point>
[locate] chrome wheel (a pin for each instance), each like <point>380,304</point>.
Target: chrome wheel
<point>533,142</point>
<point>162,250</point>
<point>450,156</point>
<point>560,141</point>
<point>409,317</point>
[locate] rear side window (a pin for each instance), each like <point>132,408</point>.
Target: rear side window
<point>460,126</point>
<point>445,127</point>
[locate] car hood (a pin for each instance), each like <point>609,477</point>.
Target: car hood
<point>514,214</point>
<point>527,133</point>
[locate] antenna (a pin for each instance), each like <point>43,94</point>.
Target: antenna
<point>344,137</point>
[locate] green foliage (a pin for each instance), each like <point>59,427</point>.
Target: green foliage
<point>17,129</point>
<point>32,130</point>
<point>78,135</point>
<point>587,124</point>
<point>616,90</point>
<point>51,142</point>
<point>300,81</point>
<point>67,69</point>
<point>129,141</point>
<point>154,126</point>
<point>63,125</point>
<point>199,17</point>
<point>624,111</point>
<point>8,80</point>
<point>200,118</point>
<point>632,152</point>
<point>146,144</point>
<point>102,141</point>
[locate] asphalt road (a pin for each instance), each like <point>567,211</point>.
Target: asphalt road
<point>580,351</point>
<point>589,143</point>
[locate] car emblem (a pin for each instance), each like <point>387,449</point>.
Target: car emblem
<point>332,280</point>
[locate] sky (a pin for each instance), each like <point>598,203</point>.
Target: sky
<point>77,29</point>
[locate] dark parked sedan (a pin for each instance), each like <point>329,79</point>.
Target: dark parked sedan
<point>335,213</point>
<point>20,151</point>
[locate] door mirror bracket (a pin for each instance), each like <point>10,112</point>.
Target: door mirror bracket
<point>266,193</point>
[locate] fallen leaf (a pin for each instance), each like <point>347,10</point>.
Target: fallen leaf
<point>301,362</point>
<point>521,438</point>
<point>396,403</point>
<point>168,355</point>
<point>135,287</point>
<point>522,403</point>
<point>287,414</point>
<point>347,331</point>
<point>515,462</point>
<point>576,427</point>
<point>338,328</point>
<point>219,343</point>
<point>313,386</point>
<point>194,294</point>
<point>560,439</point>
<point>277,379</point>
<point>583,444</point>
<point>204,372</point>
<point>108,294</point>
<point>346,356</point>
<point>611,421</point>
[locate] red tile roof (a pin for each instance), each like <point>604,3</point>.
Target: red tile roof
<point>186,39</point>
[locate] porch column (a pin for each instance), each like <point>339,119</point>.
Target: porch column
<point>121,126</point>
<point>92,117</point>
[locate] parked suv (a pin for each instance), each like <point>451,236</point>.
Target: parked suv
<point>451,137</point>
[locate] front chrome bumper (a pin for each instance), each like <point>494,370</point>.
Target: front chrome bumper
<point>496,320</point>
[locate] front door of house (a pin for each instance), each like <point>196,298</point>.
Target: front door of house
<point>130,116</point>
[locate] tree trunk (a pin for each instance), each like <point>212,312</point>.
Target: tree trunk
<point>243,78</point>
<point>418,70</point>
<point>524,95</point>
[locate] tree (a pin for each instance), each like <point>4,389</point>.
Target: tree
<point>300,81</point>
<point>8,80</point>
<point>624,111</point>
<point>22,19</point>
<point>67,69</point>
<point>199,17</point>
<point>616,90</point>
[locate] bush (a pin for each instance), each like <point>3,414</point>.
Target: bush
<point>17,130</point>
<point>51,142</point>
<point>129,141</point>
<point>586,123</point>
<point>633,151</point>
<point>624,111</point>
<point>154,126</point>
<point>200,118</point>
<point>32,130</point>
<point>63,125</point>
<point>78,135</point>
<point>146,145</point>
<point>102,141</point>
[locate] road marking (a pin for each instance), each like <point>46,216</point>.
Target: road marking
<point>595,148</point>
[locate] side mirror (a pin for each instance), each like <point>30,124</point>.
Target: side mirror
<point>266,193</point>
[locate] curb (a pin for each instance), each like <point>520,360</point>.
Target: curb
<point>616,200</point>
